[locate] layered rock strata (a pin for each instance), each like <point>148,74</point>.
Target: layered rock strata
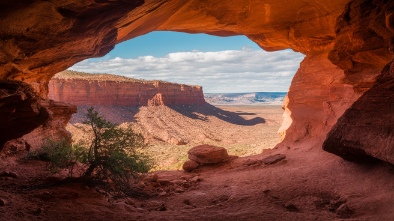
<point>110,90</point>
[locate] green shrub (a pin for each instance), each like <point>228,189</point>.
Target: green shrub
<point>112,159</point>
<point>60,154</point>
<point>113,155</point>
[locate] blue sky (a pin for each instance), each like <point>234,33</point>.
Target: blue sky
<point>219,64</point>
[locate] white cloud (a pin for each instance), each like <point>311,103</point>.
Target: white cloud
<point>221,71</point>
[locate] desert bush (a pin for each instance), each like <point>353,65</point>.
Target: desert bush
<point>60,154</point>
<point>112,158</point>
<point>113,155</point>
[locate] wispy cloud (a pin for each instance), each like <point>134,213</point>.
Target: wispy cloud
<point>221,71</point>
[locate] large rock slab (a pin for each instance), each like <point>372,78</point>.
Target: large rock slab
<point>366,129</point>
<point>208,154</point>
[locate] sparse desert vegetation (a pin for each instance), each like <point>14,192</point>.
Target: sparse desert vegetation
<point>110,155</point>
<point>171,132</point>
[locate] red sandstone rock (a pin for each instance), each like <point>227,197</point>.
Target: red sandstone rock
<point>207,154</point>
<point>20,110</point>
<point>316,98</point>
<point>274,158</point>
<point>54,128</point>
<point>366,128</point>
<point>109,90</point>
<point>190,165</point>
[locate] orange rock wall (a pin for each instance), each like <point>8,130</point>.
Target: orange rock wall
<point>114,93</point>
<point>316,98</point>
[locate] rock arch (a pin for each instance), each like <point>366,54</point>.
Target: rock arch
<point>346,43</point>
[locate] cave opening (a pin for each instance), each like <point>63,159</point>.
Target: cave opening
<point>340,101</point>
<point>243,85</point>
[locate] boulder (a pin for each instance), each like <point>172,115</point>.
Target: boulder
<point>208,154</point>
<point>190,165</point>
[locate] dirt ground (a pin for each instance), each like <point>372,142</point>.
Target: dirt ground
<point>309,184</point>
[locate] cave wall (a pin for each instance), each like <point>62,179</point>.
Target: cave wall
<point>316,98</point>
<point>367,128</point>
<point>346,43</point>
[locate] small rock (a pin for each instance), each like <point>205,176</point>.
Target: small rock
<point>3,202</point>
<point>274,158</point>
<point>162,194</point>
<point>190,165</point>
<point>181,142</point>
<point>291,207</point>
<point>152,178</point>
<point>252,162</point>
<point>343,211</point>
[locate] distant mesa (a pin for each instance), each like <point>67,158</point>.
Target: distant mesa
<point>255,98</point>
<point>86,89</point>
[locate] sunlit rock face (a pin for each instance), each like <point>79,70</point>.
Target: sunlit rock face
<point>346,44</point>
<point>317,97</point>
<point>107,90</point>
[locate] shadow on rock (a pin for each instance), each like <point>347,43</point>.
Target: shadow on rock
<point>201,112</point>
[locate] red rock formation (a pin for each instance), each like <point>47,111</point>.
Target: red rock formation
<point>366,129</point>
<point>53,129</point>
<point>347,44</point>
<point>317,97</point>
<point>20,110</point>
<point>107,90</point>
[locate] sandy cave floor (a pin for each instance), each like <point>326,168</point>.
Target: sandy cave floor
<point>309,184</point>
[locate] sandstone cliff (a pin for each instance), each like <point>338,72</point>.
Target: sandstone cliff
<point>347,43</point>
<point>110,90</point>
